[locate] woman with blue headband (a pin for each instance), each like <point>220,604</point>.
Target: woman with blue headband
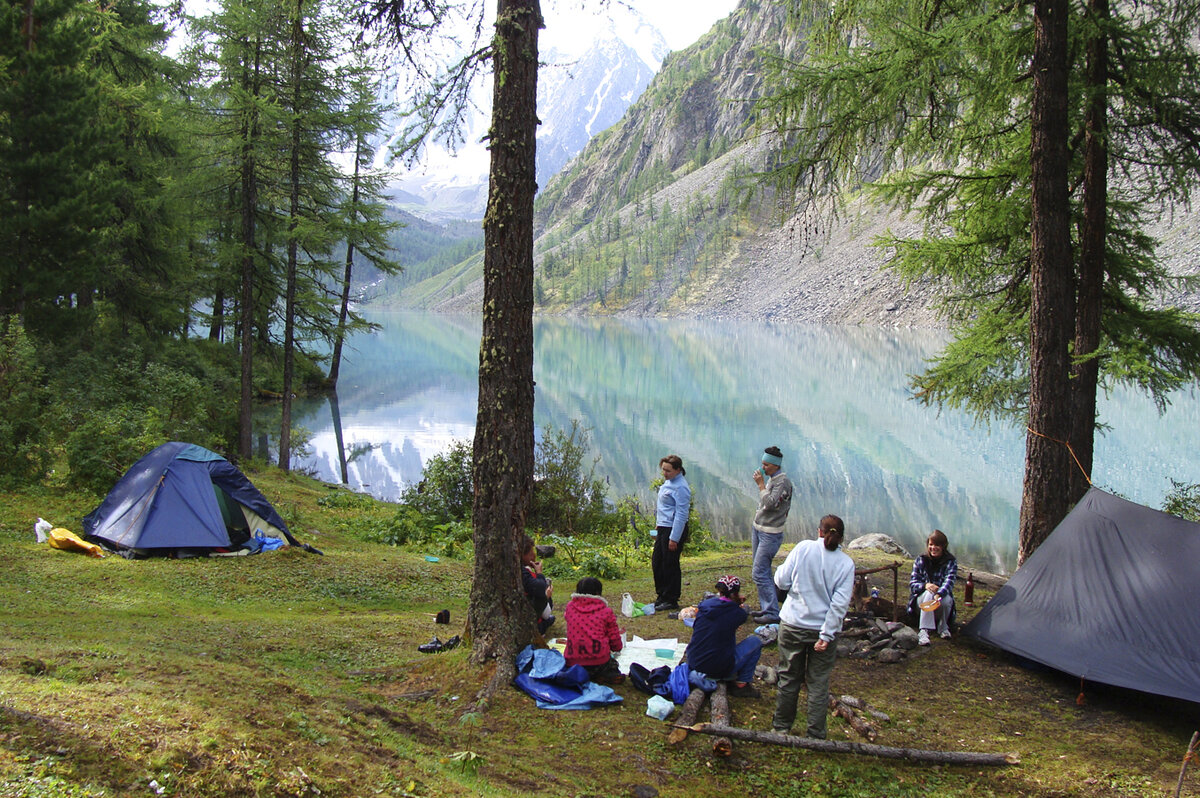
<point>766,533</point>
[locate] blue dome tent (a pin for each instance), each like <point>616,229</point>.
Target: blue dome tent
<point>182,499</point>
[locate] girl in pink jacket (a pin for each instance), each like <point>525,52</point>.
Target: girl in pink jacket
<point>592,633</point>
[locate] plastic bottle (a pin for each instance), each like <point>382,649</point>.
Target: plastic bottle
<point>969,592</point>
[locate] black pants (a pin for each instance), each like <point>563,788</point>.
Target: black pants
<point>606,672</point>
<point>668,578</point>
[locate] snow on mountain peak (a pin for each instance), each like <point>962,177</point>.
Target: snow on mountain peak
<point>597,61</point>
<point>570,37</point>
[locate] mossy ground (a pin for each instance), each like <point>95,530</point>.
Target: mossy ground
<point>292,674</point>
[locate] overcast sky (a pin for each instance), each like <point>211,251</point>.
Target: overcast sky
<point>684,21</point>
<point>680,21</point>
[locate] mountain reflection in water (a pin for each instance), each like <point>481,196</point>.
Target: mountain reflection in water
<point>834,399</point>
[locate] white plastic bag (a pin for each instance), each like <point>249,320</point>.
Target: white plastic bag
<point>627,605</point>
<point>41,528</point>
<point>659,707</point>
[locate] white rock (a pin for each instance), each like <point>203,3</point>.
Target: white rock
<point>877,540</point>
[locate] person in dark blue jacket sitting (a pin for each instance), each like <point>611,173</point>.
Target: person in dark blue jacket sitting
<point>713,649</point>
<point>536,585</point>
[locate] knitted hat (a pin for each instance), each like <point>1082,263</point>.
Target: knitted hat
<point>731,583</point>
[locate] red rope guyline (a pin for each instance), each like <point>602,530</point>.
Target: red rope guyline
<point>1069,449</point>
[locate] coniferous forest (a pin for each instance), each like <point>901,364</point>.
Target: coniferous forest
<point>180,229</point>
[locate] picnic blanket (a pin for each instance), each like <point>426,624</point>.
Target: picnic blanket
<point>649,653</point>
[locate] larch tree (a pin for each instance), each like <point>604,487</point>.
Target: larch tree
<point>57,161</point>
<point>147,281</point>
<point>365,228</point>
<point>1044,497</point>
<point>499,620</point>
<point>242,56</point>
<point>313,95</point>
<point>974,118</point>
<point>89,217</point>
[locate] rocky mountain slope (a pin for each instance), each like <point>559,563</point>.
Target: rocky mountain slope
<point>662,214</point>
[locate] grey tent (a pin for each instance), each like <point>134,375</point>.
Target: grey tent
<point>1108,598</point>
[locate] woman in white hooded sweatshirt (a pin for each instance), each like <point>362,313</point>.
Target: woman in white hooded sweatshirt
<point>819,579</point>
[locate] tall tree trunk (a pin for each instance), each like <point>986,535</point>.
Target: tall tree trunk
<point>216,326</point>
<point>289,315</point>
<point>1045,497</point>
<point>335,413</point>
<point>499,619</point>
<point>30,28</point>
<point>1094,227</point>
<point>246,399</point>
<point>335,362</point>
<point>252,76</point>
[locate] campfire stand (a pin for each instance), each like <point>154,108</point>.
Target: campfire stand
<point>895,569</point>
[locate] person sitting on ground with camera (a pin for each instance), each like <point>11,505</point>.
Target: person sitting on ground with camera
<point>713,650</point>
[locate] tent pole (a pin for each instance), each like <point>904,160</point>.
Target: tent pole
<point>1188,757</point>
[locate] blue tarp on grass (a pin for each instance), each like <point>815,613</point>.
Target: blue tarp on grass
<point>543,674</point>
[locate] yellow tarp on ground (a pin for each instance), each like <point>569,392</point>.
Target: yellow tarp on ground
<point>67,540</point>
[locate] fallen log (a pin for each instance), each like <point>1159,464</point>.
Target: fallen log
<point>719,703</point>
<point>845,710</point>
<point>866,749</point>
<point>863,706</point>
<point>687,716</point>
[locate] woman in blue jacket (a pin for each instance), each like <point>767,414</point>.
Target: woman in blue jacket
<point>671,532</point>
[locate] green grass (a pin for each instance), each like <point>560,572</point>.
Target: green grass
<point>289,674</point>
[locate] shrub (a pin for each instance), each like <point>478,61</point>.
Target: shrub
<point>407,524</point>
<point>117,413</point>
<point>445,492</point>
<point>25,447</point>
<point>567,499</point>
<point>1183,500</point>
<point>105,443</point>
<point>347,500</point>
<point>182,405</point>
<point>569,510</point>
<point>410,528</point>
<point>580,556</point>
<point>119,399</point>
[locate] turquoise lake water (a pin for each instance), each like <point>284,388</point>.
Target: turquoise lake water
<point>834,399</point>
